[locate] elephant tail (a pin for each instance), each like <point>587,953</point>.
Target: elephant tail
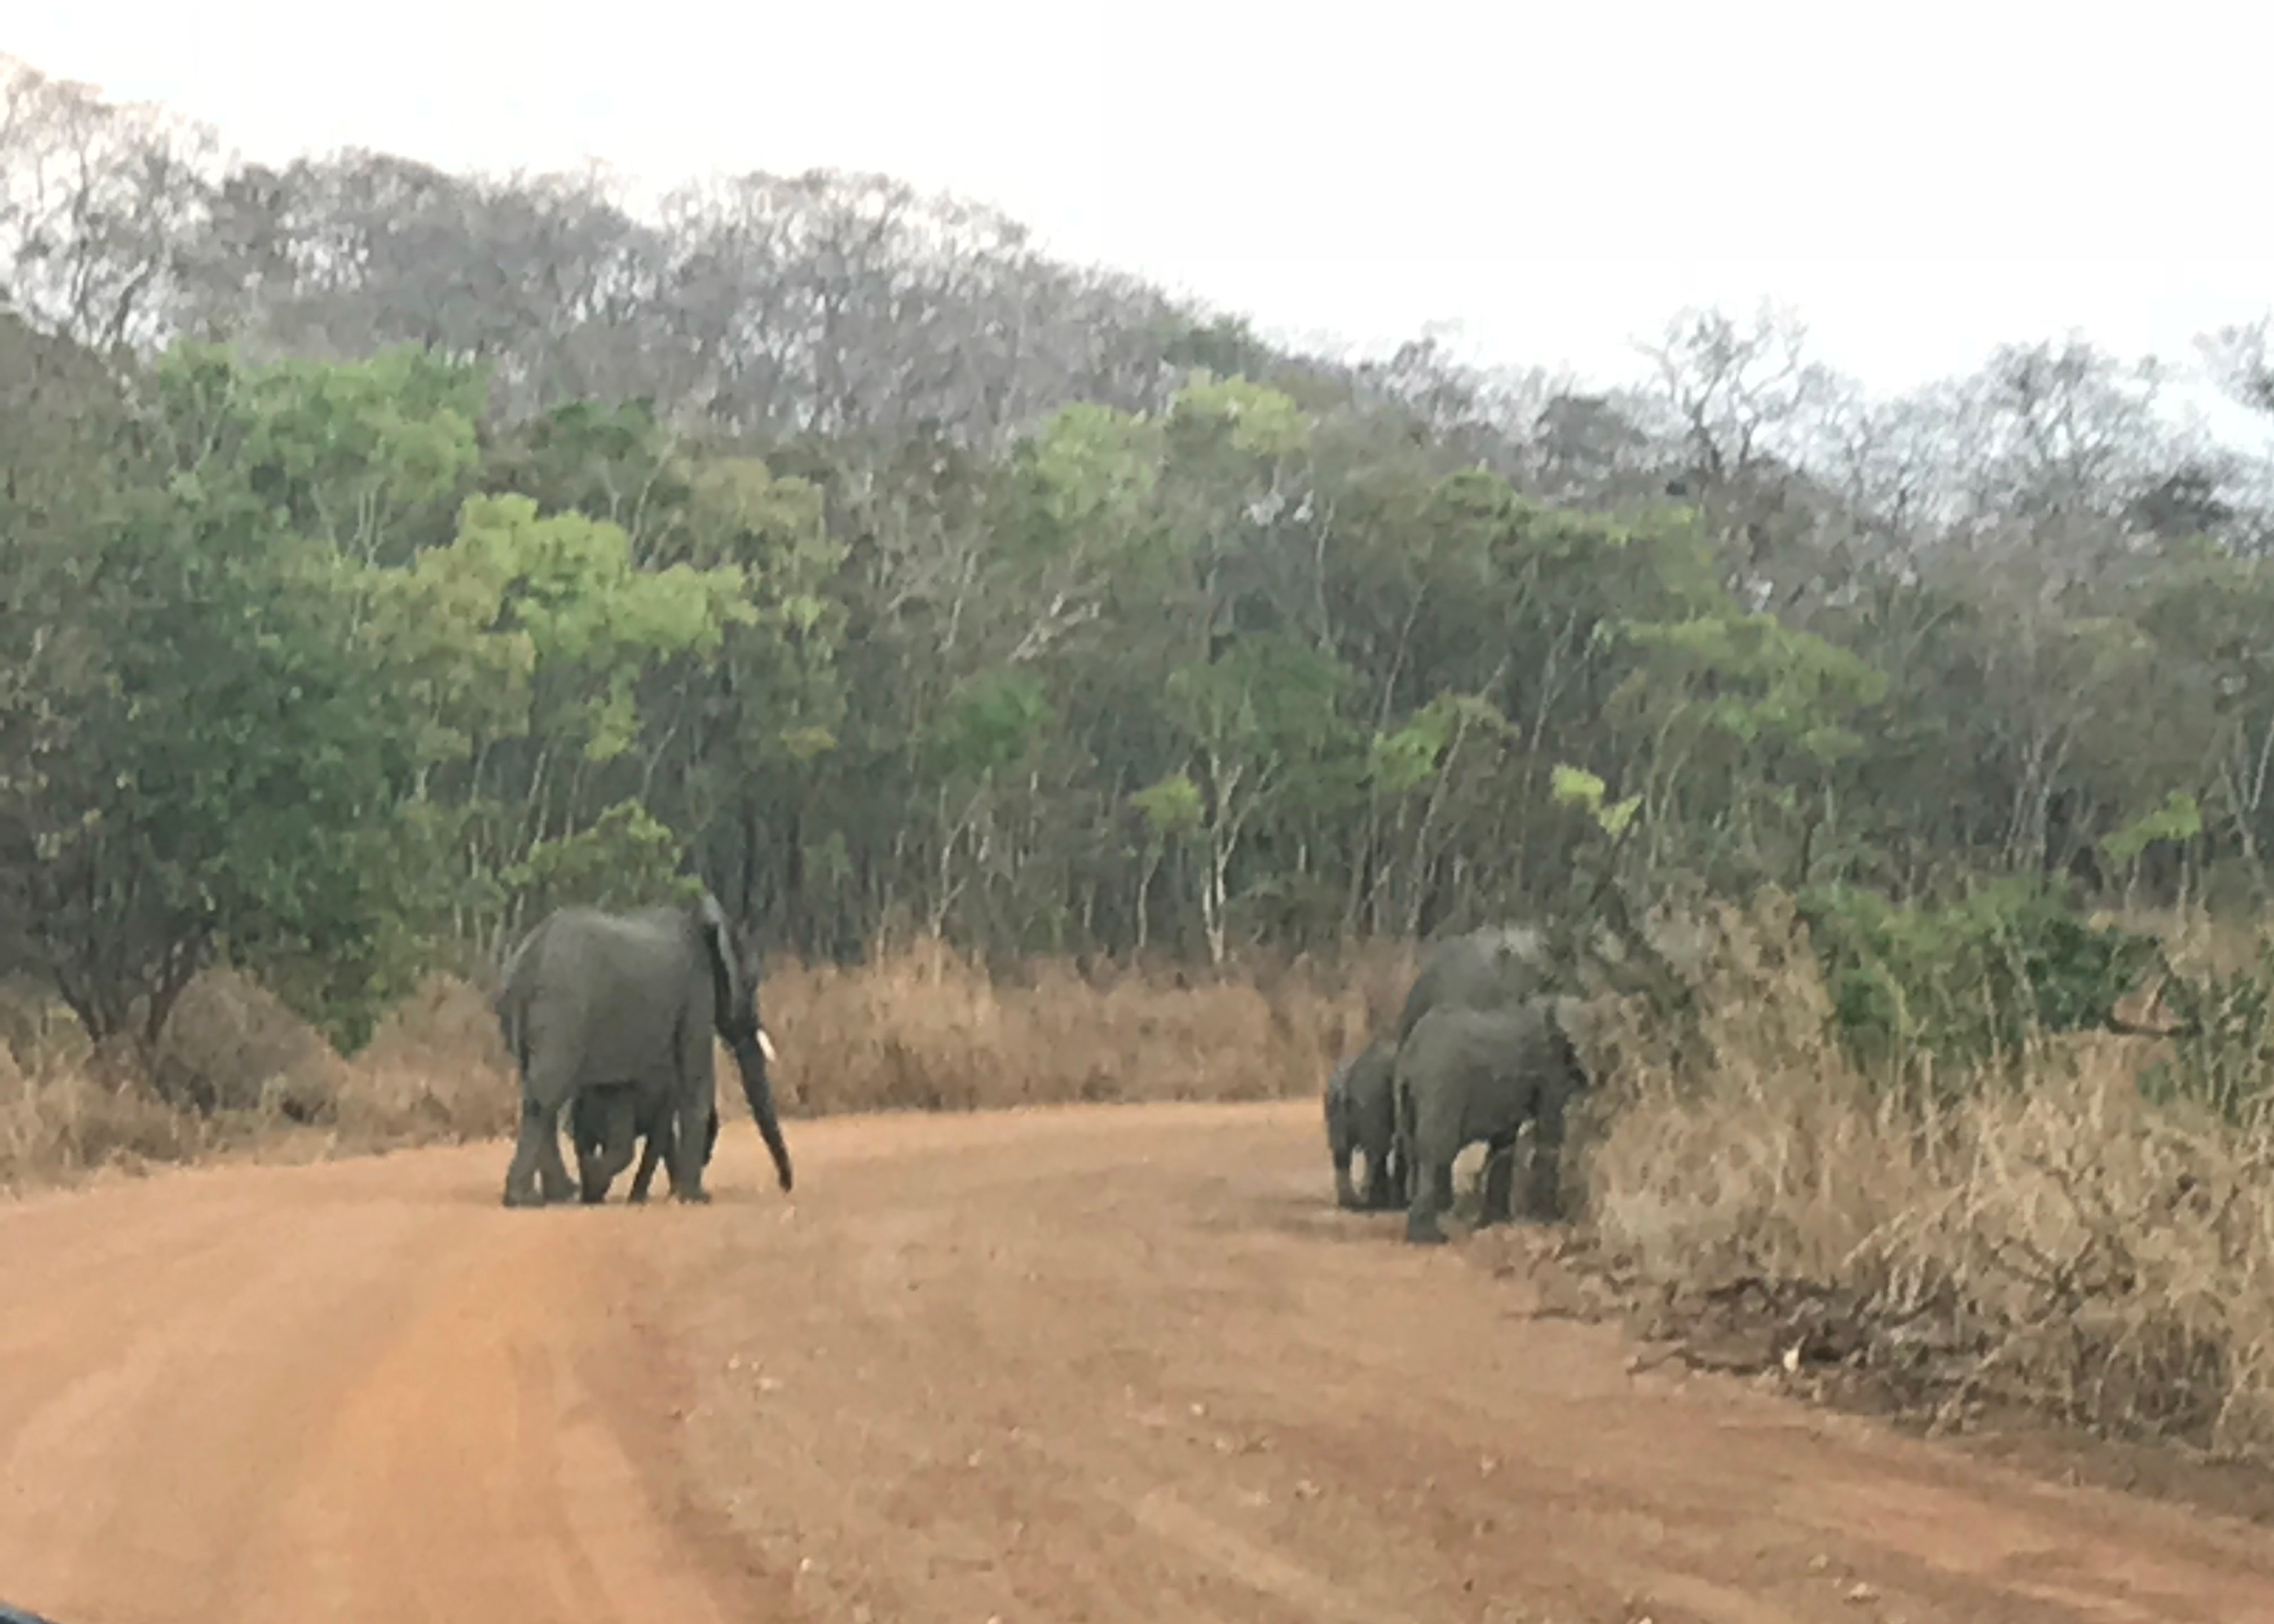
<point>516,982</point>
<point>1401,1117</point>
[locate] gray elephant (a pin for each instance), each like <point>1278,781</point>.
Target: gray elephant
<point>1486,968</point>
<point>603,1123</point>
<point>1470,1075</point>
<point>1362,1115</point>
<point>591,999</point>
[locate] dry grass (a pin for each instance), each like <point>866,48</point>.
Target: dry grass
<point>2064,1243</point>
<point>925,1028</point>
<point>59,1122</point>
<point>919,1027</point>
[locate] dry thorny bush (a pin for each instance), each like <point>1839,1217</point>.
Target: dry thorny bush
<point>919,1026</point>
<point>2064,1243</point>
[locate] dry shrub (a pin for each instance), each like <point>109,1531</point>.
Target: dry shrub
<point>2195,940</point>
<point>232,1047</point>
<point>62,1117</point>
<point>237,1071</point>
<point>2061,1242</point>
<point>435,1071</point>
<point>922,1026</point>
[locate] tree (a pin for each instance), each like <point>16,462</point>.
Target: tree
<point>94,199</point>
<point>233,776</point>
<point>1254,720</point>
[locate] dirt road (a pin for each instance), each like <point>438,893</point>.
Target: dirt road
<point>1096,1365</point>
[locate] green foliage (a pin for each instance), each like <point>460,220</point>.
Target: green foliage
<point>1253,420</point>
<point>350,453</point>
<point>1268,696</point>
<point>992,720</point>
<point>1406,760</point>
<point>238,771</point>
<point>1171,805</point>
<point>1091,472</point>
<point>625,858</point>
<point>1970,980</point>
<point>593,622</point>
<point>1576,786</point>
<point>1753,678</point>
<point>609,461</point>
<point>2179,818</point>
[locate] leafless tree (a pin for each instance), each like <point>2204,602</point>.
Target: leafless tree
<point>94,199</point>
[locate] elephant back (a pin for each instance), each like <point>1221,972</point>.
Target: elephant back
<point>1487,968</point>
<point>612,987</point>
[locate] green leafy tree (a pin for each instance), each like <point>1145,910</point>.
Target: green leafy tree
<point>367,455</point>
<point>1252,721</point>
<point>234,779</point>
<point>522,646</point>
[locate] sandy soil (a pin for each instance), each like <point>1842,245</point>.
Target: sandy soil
<point>1090,1365</point>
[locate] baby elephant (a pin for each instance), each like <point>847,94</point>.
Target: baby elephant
<point>1362,1115</point>
<point>604,1121</point>
<point>1465,1076</point>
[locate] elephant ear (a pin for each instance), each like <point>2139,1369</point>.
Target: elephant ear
<point>730,987</point>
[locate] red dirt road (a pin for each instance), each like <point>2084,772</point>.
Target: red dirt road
<point>1093,1365</point>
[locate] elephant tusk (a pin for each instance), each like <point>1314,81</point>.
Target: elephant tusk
<point>765,1046</point>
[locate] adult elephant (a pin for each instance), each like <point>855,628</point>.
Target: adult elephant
<point>1362,1118</point>
<point>591,999</point>
<point>1465,1076</point>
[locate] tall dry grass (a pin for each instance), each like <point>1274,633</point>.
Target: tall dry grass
<point>921,1027</point>
<point>924,1027</point>
<point>2055,1240</point>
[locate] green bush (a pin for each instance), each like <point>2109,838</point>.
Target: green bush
<point>1966,980</point>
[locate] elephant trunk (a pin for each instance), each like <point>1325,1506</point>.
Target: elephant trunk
<point>751,1061</point>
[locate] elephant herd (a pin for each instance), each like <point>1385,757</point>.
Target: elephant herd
<point>609,1019</point>
<point>1479,1049</point>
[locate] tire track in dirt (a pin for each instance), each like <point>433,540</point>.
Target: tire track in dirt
<point>1102,1363</point>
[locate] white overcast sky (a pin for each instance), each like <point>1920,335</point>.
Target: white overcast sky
<point>1550,182</point>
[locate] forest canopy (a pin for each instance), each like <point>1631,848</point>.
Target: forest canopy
<point>388,553</point>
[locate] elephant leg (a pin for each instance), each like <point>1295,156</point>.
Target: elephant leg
<point>1432,1195</point>
<point>1499,1180</point>
<point>1340,1143</point>
<point>607,1121</point>
<point>537,1174</point>
<point>592,1173</point>
<point>1545,1197</point>
<point>685,1150</point>
<point>553,1172</point>
<point>653,1151</point>
<point>1385,1158</point>
<point>521,1185</point>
